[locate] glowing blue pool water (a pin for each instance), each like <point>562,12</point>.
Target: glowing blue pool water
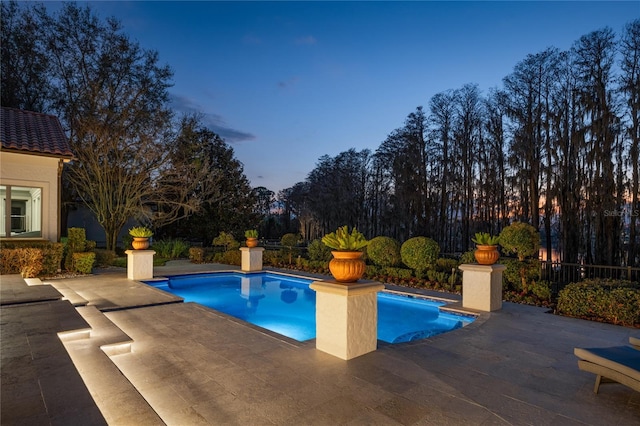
<point>286,305</point>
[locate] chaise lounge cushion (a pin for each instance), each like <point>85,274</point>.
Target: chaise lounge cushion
<point>634,341</point>
<point>618,363</point>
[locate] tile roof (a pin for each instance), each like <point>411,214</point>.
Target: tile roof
<point>33,133</point>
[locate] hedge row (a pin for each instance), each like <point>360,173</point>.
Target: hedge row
<point>611,301</point>
<point>32,260</point>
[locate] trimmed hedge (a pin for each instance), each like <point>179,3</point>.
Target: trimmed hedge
<point>15,260</point>
<point>611,301</point>
<point>83,262</point>
<point>420,253</point>
<point>384,251</point>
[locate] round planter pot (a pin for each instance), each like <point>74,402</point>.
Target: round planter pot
<point>140,243</point>
<point>252,242</point>
<point>486,254</point>
<point>347,266</point>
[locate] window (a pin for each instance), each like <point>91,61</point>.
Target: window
<point>21,211</point>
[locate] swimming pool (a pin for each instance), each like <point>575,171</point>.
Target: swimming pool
<point>286,305</point>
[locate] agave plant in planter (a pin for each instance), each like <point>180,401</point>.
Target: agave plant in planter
<point>347,264</point>
<point>486,252</point>
<point>252,237</point>
<point>141,235</point>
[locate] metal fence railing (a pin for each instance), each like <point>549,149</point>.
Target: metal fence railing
<point>560,274</point>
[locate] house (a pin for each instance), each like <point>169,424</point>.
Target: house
<point>34,149</point>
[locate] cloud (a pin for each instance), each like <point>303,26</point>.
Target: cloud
<point>213,122</point>
<point>306,40</point>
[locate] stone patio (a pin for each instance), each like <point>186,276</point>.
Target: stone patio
<point>131,354</point>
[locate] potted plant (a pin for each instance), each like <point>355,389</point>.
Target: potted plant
<point>141,235</point>
<point>486,252</point>
<point>347,264</point>
<point>252,237</point>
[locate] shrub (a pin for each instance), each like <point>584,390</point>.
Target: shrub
<point>233,257</point>
<point>516,272</point>
<point>104,258</point>
<point>419,253</point>
<point>401,273</point>
<point>83,262</point>
<point>171,249</point>
<point>226,240</point>
<point>75,243</point>
<point>520,239</point>
<point>289,241</point>
<point>446,265</point>
<point>468,257</point>
<point>196,255</point>
<point>319,251</point>
<point>17,262</point>
<point>384,251</point>
<point>613,301</point>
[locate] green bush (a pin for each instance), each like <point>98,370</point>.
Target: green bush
<point>227,241</point>
<point>446,265</point>
<point>520,239</point>
<point>83,262</point>
<point>402,273</point>
<point>420,253</point>
<point>612,301</point>
<point>542,290</point>
<point>468,257</point>
<point>229,257</point>
<point>289,242</point>
<point>319,251</point>
<point>384,251</point>
<point>104,258</point>
<point>75,242</point>
<point>271,257</point>
<point>171,249</point>
<point>516,271</point>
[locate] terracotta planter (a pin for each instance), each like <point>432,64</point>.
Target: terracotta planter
<point>252,242</point>
<point>347,266</point>
<point>486,254</point>
<point>140,243</point>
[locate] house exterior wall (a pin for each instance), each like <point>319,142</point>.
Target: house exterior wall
<point>35,171</point>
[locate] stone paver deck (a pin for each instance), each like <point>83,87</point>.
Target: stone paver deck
<point>183,364</point>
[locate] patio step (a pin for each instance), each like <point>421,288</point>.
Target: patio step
<point>68,294</point>
<point>118,400</point>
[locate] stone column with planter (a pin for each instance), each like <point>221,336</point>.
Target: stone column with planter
<point>482,286</point>
<point>346,317</point>
<point>251,259</point>
<point>140,264</point>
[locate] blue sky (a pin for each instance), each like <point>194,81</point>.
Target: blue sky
<point>287,82</point>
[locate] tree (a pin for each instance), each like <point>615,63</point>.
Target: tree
<point>111,95</point>
<point>226,200</point>
<point>523,240</point>
<point>630,87</point>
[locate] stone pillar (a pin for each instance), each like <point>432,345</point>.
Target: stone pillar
<point>346,317</point>
<point>140,264</point>
<point>482,286</point>
<point>251,258</point>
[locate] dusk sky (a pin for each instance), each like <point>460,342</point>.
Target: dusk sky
<point>287,82</point>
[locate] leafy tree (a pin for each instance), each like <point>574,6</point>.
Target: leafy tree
<point>290,241</point>
<point>523,240</point>
<point>111,94</point>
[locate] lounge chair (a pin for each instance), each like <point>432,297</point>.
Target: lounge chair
<point>619,364</point>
